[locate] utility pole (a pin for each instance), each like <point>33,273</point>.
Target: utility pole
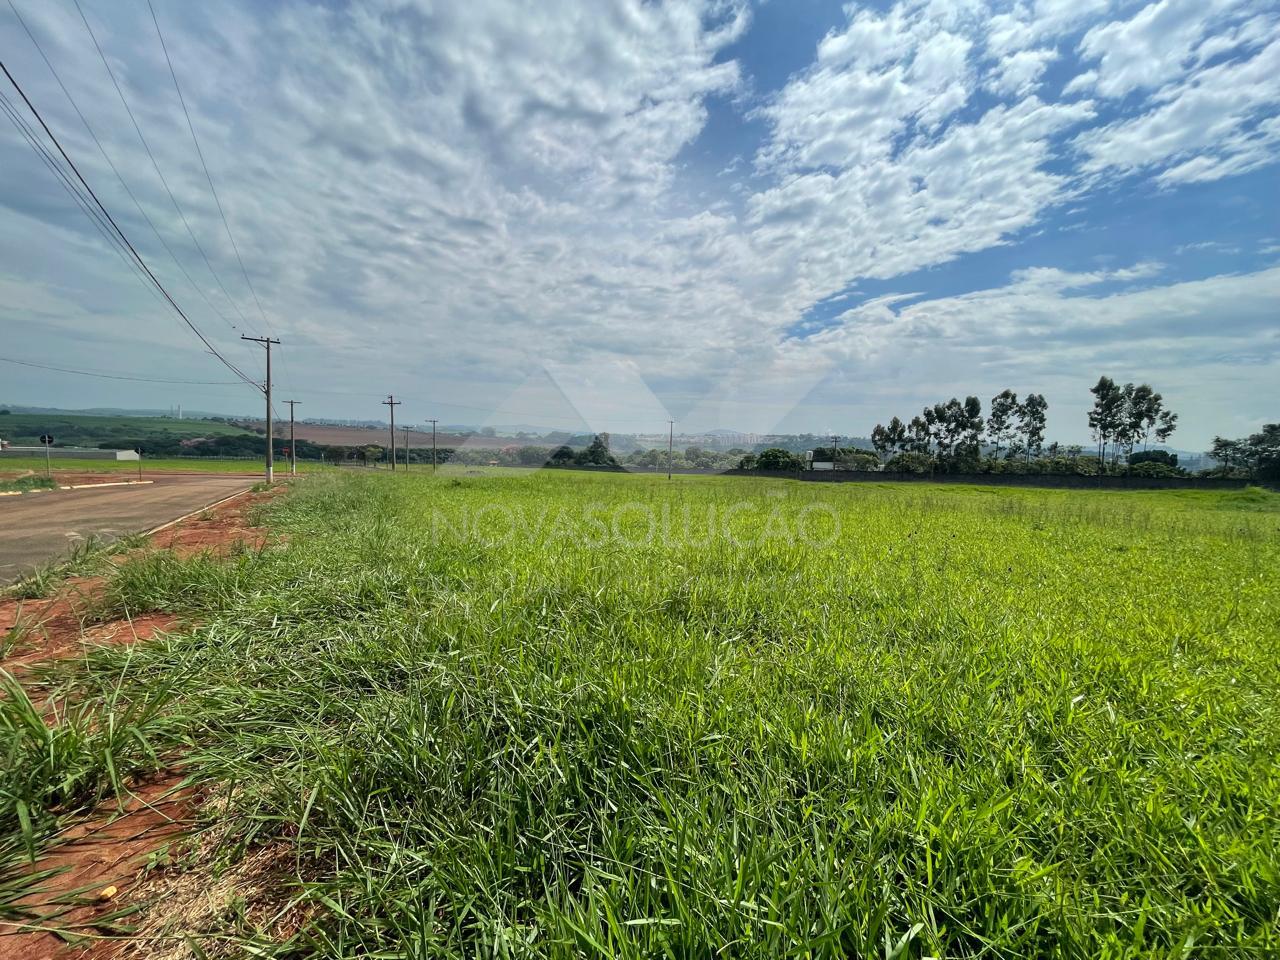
<point>835,453</point>
<point>391,403</point>
<point>293,446</point>
<point>671,436</point>
<point>406,449</point>
<point>266,389</point>
<point>433,446</point>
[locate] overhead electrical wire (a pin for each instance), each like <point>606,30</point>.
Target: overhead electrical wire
<point>159,173</point>
<point>116,228</point>
<point>105,156</point>
<point>120,376</point>
<point>69,185</point>
<point>209,177</point>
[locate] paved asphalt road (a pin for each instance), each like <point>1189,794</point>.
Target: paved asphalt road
<point>37,528</point>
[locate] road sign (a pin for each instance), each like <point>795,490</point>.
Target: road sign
<point>47,440</point>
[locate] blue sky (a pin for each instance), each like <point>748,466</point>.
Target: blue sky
<point>780,216</point>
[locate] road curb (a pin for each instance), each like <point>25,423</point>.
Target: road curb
<point>110,483</point>
<point>74,486</point>
<point>193,513</point>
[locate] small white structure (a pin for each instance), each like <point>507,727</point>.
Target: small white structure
<point>68,453</point>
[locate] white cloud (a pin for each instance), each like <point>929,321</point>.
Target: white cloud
<point>1201,129</point>
<point>1080,83</point>
<point>1158,44</point>
<point>1019,73</point>
<point>1051,330</point>
<point>868,83</point>
<point>1028,24</point>
<point>468,190</point>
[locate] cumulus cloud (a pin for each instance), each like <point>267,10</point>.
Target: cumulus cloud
<point>1045,324</point>
<point>1161,42</point>
<point>1019,73</point>
<point>472,191</point>
<point>1208,125</point>
<point>1030,23</point>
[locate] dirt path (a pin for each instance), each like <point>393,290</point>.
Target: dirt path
<point>100,859</point>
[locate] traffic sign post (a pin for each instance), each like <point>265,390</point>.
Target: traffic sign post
<point>47,440</point>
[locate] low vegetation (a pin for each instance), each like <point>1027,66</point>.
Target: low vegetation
<point>572,714</point>
<point>23,483</point>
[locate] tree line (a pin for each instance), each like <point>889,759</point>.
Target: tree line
<point>954,436</point>
<point>951,436</point>
<point>1256,456</point>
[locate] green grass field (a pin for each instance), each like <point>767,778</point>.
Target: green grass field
<point>566,715</point>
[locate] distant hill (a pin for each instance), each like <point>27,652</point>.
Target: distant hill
<point>121,432</point>
<point>120,412</point>
<point>376,436</point>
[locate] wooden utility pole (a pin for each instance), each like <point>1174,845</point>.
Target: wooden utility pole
<point>391,403</point>
<point>835,453</point>
<point>433,446</point>
<point>293,446</point>
<point>671,436</point>
<point>266,389</point>
<point>406,449</point>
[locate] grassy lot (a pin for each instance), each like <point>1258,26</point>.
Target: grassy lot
<point>569,714</point>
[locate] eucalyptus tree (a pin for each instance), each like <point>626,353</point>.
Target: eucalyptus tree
<point>1000,422</point>
<point>1032,416</point>
<point>920,435</point>
<point>890,439</point>
<point>1106,417</point>
<point>1257,454</point>
<point>970,428</point>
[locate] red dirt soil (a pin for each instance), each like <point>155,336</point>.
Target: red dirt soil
<point>218,529</point>
<point>107,850</point>
<point>53,632</point>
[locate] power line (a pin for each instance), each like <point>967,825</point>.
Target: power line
<point>156,166</point>
<point>205,166</point>
<point>105,156</point>
<point>391,403</point>
<point>293,442</point>
<point>69,185</point>
<point>120,376</point>
<point>271,410</point>
<point>116,227</point>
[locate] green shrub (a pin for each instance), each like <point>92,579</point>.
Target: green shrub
<point>910,463</point>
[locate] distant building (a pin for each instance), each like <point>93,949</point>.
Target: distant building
<point>67,453</point>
